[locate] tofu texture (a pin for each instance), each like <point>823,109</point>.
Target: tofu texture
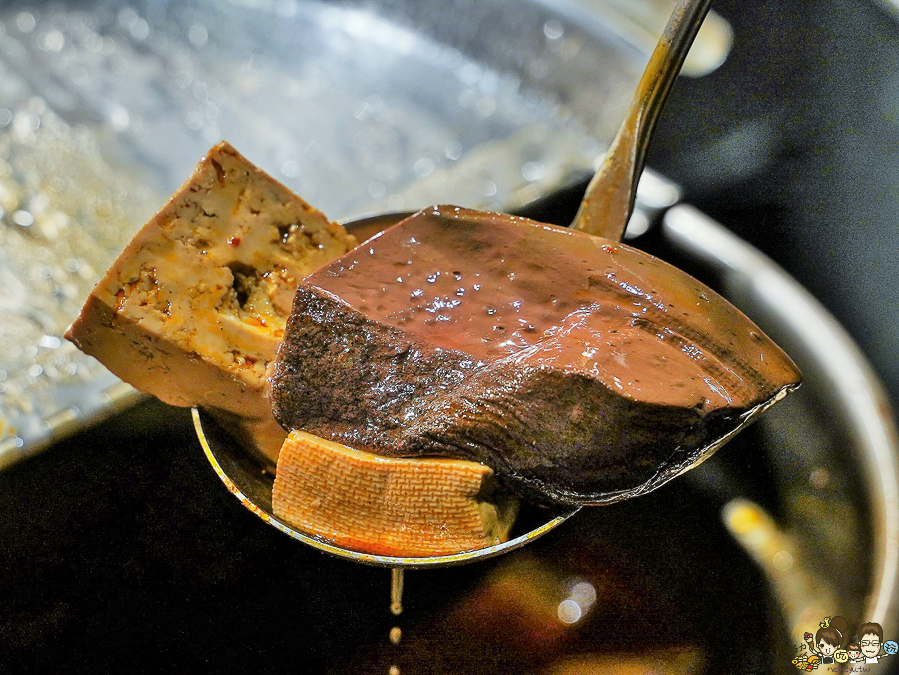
<point>194,308</point>
<point>387,506</point>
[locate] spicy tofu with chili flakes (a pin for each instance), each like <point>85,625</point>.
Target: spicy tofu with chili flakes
<point>194,308</point>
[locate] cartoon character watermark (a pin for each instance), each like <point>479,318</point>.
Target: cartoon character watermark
<point>870,640</point>
<point>826,646</point>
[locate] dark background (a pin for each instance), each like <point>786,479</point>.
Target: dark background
<point>794,144</point>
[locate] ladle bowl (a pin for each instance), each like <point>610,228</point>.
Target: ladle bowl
<point>251,482</point>
<point>606,208</point>
<point>252,485</point>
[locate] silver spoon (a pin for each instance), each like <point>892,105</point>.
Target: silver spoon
<point>609,199</point>
<point>604,212</point>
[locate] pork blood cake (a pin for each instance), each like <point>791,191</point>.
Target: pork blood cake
<point>581,370</point>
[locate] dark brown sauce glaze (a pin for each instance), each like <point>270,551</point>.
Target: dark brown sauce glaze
<point>582,370</point>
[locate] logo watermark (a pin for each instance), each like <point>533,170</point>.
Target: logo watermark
<point>833,644</point>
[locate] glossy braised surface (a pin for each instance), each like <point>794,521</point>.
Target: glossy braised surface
<point>580,369</point>
<point>498,286</point>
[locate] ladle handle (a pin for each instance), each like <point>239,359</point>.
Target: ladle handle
<point>609,200</point>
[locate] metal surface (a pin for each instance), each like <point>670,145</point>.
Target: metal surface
<point>609,201</point>
<point>244,478</point>
<point>838,378</point>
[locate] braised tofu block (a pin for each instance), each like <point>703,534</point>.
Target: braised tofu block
<point>385,506</point>
<point>194,308</point>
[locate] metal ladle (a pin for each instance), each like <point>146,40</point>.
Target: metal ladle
<point>605,210</point>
